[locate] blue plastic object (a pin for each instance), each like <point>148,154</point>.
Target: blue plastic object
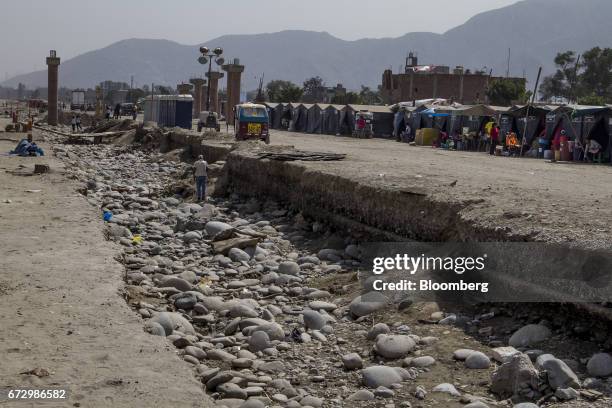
<point>107,215</point>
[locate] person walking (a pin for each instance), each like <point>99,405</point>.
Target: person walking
<point>200,177</point>
<point>78,123</point>
<point>494,138</point>
<point>73,123</point>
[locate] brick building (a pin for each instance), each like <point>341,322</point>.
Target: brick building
<point>428,81</point>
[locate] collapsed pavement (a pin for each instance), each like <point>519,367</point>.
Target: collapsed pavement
<point>263,303</point>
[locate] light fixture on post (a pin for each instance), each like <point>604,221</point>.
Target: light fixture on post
<point>207,57</point>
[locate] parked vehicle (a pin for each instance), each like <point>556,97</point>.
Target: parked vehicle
<point>78,100</point>
<point>251,122</point>
<point>209,120</point>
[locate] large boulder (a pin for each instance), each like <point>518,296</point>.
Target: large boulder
<point>367,304</point>
<point>376,376</point>
<point>529,335</point>
<point>560,375</point>
<point>394,346</point>
<point>173,321</point>
<point>600,365</point>
<point>516,377</point>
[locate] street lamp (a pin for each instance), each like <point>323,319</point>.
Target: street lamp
<point>207,57</point>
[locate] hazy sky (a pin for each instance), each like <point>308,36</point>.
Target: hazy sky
<point>30,28</point>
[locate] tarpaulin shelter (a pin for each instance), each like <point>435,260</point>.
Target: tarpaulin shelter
<point>403,116</point>
<point>559,119</point>
<point>382,119</point>
<point>300,117</point>
<point>272,114</point>
<point>316,115</point>
<point>594,124</point>
<point>330,124</point>
<point>475,117</point>
<point>293,109</point>
<point>517,117</point>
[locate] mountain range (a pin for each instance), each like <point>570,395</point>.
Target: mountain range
<point>533,30</point>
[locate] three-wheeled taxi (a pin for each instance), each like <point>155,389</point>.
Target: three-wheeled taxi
<point>251,121</point>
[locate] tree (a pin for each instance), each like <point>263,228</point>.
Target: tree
<point>504,92</point>
<point>314,90</point>
<point>291,93</point>
<point>596,76</point>
<point>283,91</point>
<point>369,97</point>
<point>350,98</point>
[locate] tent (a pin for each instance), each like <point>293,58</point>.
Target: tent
<point>272,114</point>
<point>536,121</point>
<point>382,119</point>
<point>300,117</point>
<point>293,114</point>
<point>402,117</point>
<point>475,117</point>
<point>330,124</point>
<point>594,124</point>
<point>316,115</point>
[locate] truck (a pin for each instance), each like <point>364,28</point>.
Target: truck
<point>78,100</point>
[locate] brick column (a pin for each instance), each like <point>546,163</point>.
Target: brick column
<point>197,95</point>
<point>53,63</point>
<point>213,81</point>
<point>234,72</point>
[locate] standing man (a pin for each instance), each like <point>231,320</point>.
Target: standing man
<point>199,174</point>
<point>494,138</point>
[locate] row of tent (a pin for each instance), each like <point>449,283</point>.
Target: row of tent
<point>328,118</point>
<point>580,122</point>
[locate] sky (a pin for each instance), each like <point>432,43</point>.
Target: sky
<point>30,28</point>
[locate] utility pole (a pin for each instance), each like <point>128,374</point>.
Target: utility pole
<point>508,69</point>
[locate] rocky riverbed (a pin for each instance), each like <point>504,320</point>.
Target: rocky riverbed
<point>265,305</point>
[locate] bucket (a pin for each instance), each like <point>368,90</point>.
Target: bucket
<point>557,155</point>
<point>548,155</point>
<point>499,150</point>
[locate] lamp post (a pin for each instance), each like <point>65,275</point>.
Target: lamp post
<point>207,57</point>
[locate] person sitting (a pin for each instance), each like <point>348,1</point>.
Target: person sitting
<point>512,144</point>
<point>593,148</point>
<point>26,147</point>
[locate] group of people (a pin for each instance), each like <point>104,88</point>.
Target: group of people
<point>75,122</point>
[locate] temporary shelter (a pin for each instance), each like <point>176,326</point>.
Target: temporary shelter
<point>316,116</point>
<point>299,117</point>
<point>331,119</point>
<point>382,119</point>
<point>272,114</point>
<point>292,112</point>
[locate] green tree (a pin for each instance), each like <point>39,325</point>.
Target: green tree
<point>291,93</point>
<point>369,97</point>
<point>592,99</point>
<point>350,98</point>
<point>505,92</point>
<point>596,76</point>
<point>314,90</point>
<point>275,88</point>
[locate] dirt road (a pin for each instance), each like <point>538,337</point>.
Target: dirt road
<point>553,202</point>
<point>61,307</point>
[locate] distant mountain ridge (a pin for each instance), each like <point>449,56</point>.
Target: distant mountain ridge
<point>534,30</point>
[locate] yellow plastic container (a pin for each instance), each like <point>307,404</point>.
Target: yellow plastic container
<point>426,136</point>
